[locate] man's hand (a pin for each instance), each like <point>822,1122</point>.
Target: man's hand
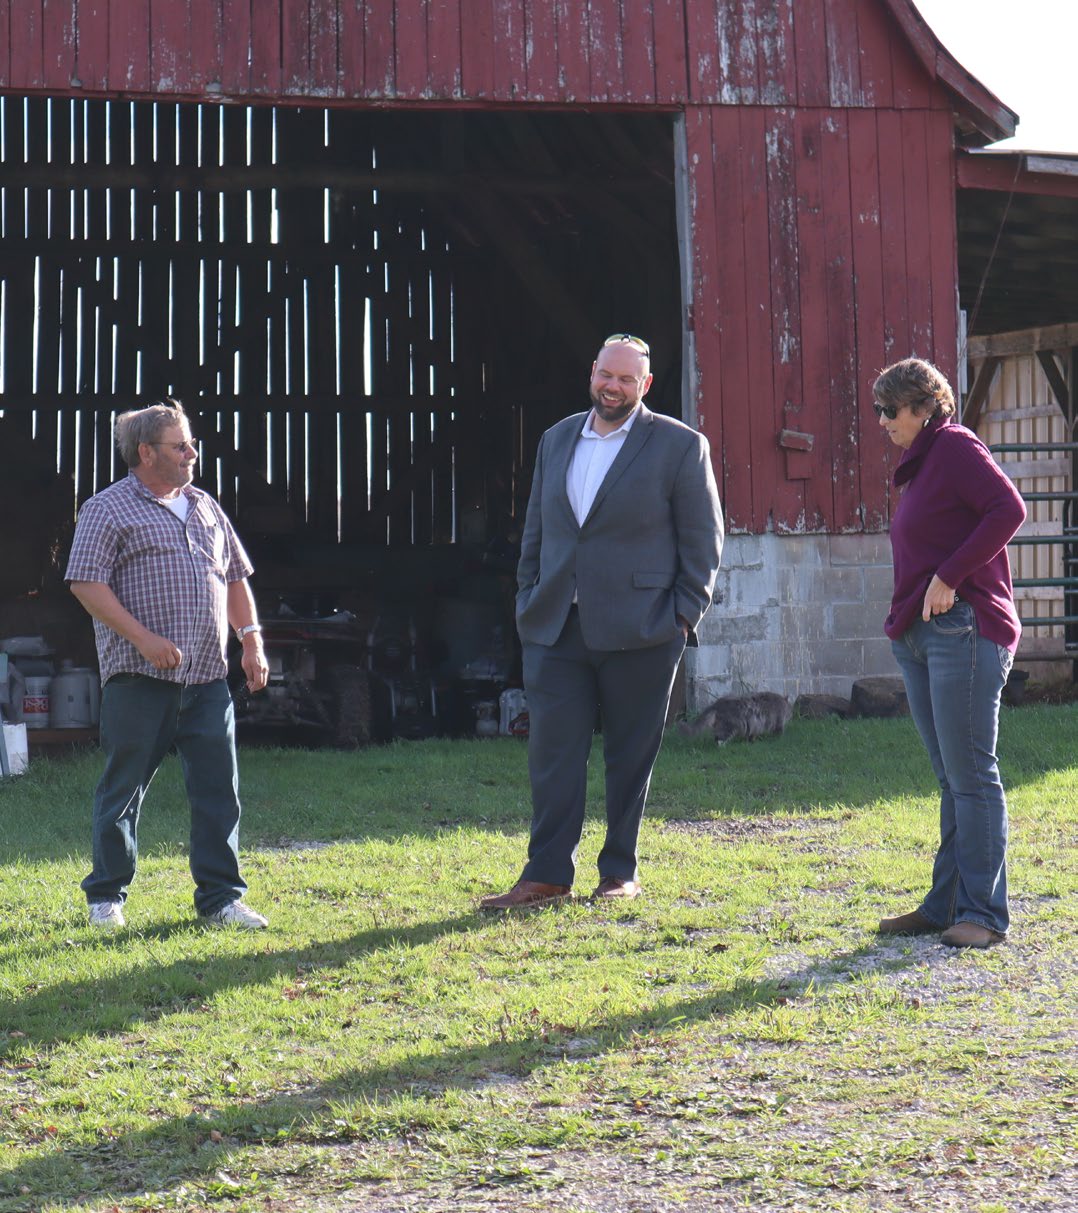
<point>254,662</point>
<point>104,606</point>
<point>241,615</point>
<point>939,599</point>
<point>160,652</point>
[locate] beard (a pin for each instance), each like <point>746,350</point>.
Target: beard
<point>612,413</point>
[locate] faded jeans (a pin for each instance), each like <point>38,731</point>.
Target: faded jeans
<point>141,719</point>
<point>954,678</point>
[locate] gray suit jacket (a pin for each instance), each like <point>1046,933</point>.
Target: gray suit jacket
<point>648,550</point>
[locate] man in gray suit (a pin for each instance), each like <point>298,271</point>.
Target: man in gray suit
<point>618,561</point>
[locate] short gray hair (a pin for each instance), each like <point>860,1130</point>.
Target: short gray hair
<point>146,425</point>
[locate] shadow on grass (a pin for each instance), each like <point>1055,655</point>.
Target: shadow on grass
<point>14,943</point>
<point>130,1164</point>
<point>121,1001</point>
<point>422,789</point>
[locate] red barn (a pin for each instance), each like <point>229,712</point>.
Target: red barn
<point>373,245</point>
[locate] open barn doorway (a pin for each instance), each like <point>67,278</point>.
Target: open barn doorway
<point>370,315</point>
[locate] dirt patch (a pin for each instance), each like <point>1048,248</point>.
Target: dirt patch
<point>765,826</point>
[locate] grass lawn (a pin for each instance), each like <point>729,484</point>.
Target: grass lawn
<point>737,1039</point>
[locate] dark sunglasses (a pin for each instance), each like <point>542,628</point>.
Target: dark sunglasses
<point>628,339</point>
<point>890,411</point>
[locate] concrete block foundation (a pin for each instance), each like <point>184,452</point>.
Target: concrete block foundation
<point>795,614</point>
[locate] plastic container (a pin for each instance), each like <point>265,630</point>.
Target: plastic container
<point>35,702</point>
<point>18,757</point>
<point>72,698</point>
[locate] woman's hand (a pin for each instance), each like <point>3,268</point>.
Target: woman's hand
<point>939,599</point>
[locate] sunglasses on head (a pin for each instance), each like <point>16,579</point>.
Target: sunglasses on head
<point>890,411</point>
<point>637,343</point>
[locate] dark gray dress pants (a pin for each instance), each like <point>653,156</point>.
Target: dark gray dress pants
<point>566,684</point>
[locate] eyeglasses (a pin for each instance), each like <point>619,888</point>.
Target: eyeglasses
<point>890,411</point>
<point>637,343</point>
<point>178,447</point>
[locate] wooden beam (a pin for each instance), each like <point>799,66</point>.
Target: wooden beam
<point>1066,166</point>
<point>58,249</point>
<point>1024,341</point>
<point>1034,469</point>
<point>1016,171</point>
<point>1073,359</point>
<point>224,179</point>
<point>1055,380</point>
<point>1028,413</point>
<point>25,403</point>
<point>973,405</point>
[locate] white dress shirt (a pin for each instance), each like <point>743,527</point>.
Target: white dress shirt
<point>591,461</point>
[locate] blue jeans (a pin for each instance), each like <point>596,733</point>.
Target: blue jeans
<point>954,678</point>
<point>141,718</point>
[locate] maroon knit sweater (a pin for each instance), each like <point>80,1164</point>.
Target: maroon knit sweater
<point>955,517</point>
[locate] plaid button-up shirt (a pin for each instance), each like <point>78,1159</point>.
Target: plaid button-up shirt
<point>172,576</point>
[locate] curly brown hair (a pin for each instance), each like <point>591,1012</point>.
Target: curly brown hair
<point>918,384</point>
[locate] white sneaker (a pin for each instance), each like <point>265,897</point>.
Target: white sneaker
<point>108,914</point>
<point>236,914</point>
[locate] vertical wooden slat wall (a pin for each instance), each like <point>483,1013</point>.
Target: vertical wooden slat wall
<point>250,305</point>
<point>1021,408</point>
<point>821,181</point>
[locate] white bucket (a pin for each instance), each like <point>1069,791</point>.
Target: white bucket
<point>15,740</point>
<point>35,702</point>
<point>72,699</point>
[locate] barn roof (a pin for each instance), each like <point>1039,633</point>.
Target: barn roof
<point>980,115</point>
<point>1017,215</point>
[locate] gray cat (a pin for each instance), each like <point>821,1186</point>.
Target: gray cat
<point>745,716</point>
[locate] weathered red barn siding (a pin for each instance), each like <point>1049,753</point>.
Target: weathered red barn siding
<point>631,52</point>
<point>825,247</point>
<point>821,173</point>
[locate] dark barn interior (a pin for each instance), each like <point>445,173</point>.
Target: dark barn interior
<point>1016,219</point>
<point>1016,259</point>
<point>370,317</point>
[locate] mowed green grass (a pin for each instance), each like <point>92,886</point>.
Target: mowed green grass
<point>739,1038</point>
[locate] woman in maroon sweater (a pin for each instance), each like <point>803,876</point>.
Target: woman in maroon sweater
<point>954,630</point>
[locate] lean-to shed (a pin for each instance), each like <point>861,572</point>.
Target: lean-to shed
<point>374,243</point>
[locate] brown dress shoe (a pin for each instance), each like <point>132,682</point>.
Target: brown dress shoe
<point>612,888</point>
<point>970,935</point>
<point>913,923</point>
<point>526,894</point>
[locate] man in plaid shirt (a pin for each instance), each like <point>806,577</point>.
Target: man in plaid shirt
<point>157,564</point>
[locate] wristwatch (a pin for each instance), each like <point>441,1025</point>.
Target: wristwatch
<point>247,629</point>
